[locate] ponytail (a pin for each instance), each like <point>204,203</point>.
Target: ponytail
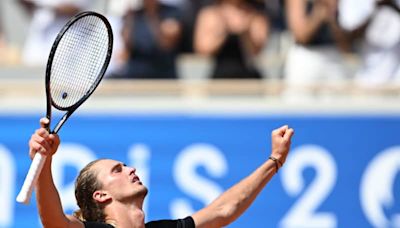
<point>86,184</point>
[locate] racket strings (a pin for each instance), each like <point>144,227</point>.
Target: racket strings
<point>78,61</point>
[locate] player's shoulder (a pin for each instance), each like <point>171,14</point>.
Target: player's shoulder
<point>97,225</point>
<point>187,222</point>
<point>74,222</point>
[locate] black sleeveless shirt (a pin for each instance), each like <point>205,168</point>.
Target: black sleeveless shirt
<point>178,223</point>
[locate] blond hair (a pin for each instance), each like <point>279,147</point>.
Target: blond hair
<point>86,184</point>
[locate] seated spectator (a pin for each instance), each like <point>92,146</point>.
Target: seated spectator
<point>47,19</point>
<point>234,33</point>
<point>315,57</point>
<point>151,35</point>
<point>376,25</point>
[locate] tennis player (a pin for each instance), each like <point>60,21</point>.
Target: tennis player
<point>110,194</point>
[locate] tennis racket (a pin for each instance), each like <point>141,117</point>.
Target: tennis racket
<point>77,62</point>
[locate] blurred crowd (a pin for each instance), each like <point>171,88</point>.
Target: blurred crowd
<point>150,35</point>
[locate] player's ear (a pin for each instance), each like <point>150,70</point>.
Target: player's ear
<point>101,196</point>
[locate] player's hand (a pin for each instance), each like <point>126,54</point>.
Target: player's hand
<point>280,140</point>
<point>43,142</point>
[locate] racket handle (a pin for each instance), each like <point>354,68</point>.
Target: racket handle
<point>24,195</point>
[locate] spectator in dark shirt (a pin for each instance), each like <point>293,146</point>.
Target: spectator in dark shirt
<point>234,33</point>
<point>151,35</point>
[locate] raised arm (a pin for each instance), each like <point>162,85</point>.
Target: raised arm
<point>232,203</point>
<point>48,200</point>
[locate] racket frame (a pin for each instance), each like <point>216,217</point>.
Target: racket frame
<point>39,159</point>
<point>49,99</point>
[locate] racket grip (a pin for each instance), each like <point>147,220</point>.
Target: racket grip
<point>25,194</point>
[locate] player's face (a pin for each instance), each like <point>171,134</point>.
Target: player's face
<point>119,180</point>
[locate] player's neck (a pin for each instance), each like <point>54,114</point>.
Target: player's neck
<point>123,215</point>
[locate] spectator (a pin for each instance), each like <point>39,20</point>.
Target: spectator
<point>279,39</point>
<point>377,23</point>
<point>48,17</point>
<point>116,10</point>
<point>315,56</point>
<point>151,35</point>
<point>190,10</point>
<point>234,32</point>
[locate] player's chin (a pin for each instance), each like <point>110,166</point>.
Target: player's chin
<point>139,186</point>
<point>142,191</point>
